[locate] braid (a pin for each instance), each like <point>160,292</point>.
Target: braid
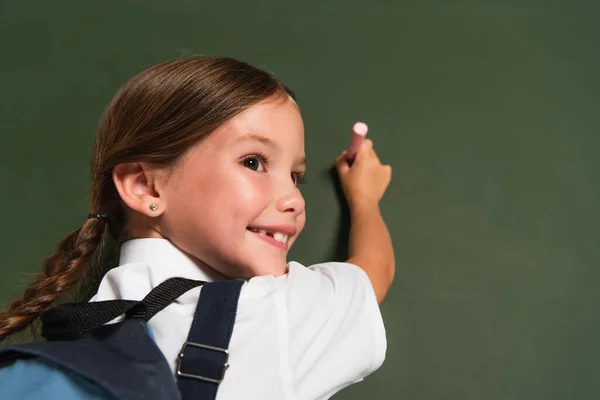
<point>156,117</point>
<point>61,270</point>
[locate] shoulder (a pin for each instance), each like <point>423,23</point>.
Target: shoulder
<point>336,273</point>
<point>130,281</point>
<point>332,319</point>
<point>335,291</point>
<point>334,281</point>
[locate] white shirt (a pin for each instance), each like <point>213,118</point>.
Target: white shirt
<point>304,335</point>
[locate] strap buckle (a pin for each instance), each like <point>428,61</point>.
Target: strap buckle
<point>200,377</point>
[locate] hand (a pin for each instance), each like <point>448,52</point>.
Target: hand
<point>365,182</point>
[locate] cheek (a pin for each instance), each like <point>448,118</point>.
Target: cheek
<point>250,189</point>
<point>237,199</point>
<point>227,186</point>
<point>301,222</point>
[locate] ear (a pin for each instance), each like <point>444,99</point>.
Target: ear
<point>139,186</point>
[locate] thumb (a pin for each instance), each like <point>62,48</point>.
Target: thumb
<point>341,163</point>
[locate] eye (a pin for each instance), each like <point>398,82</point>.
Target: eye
<point>298,178</point>
<point>255,162</point>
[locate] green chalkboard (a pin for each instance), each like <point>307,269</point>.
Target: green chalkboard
<point>488,112</point>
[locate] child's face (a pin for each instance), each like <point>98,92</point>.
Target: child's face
<point>239,180</point>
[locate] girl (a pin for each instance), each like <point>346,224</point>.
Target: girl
<point>195,171</point>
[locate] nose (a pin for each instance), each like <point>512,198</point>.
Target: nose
<point>291,202</point>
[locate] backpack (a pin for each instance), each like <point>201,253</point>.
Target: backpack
<point>86,358</point>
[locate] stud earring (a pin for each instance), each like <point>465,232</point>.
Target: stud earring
<point>153,207</point>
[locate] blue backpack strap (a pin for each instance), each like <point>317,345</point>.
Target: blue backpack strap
<point>72,320</point>
<point>204,356</point>
<point>120,358</point>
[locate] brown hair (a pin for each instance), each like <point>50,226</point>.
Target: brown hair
<point>155,117</point>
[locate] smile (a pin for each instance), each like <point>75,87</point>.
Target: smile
<point>280,237</point>
<point>277,239</point>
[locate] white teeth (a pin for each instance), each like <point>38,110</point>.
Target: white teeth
<point>275,235</point>
<point>280,237</point>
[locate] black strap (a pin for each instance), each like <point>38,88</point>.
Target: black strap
<point>75,319</point>
<point>204,357</point>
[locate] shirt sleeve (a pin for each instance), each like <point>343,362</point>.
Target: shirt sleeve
<point>335,328</point>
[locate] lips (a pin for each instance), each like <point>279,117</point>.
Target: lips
<point>278,236</point>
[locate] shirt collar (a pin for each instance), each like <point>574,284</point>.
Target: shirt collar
<point>166,259</point>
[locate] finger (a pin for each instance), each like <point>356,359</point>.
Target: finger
<point>373,155</point>
<point>365,150</point>
<point>341,156</point>
<point>388,170</point>
<point>341,163</point>
<point>388,173</point>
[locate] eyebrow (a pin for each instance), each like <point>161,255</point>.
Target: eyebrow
<point>267,142</point>
<point>257,138</point>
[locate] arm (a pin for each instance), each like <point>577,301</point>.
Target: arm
<point>370,244</point>
<point>371,249</point>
